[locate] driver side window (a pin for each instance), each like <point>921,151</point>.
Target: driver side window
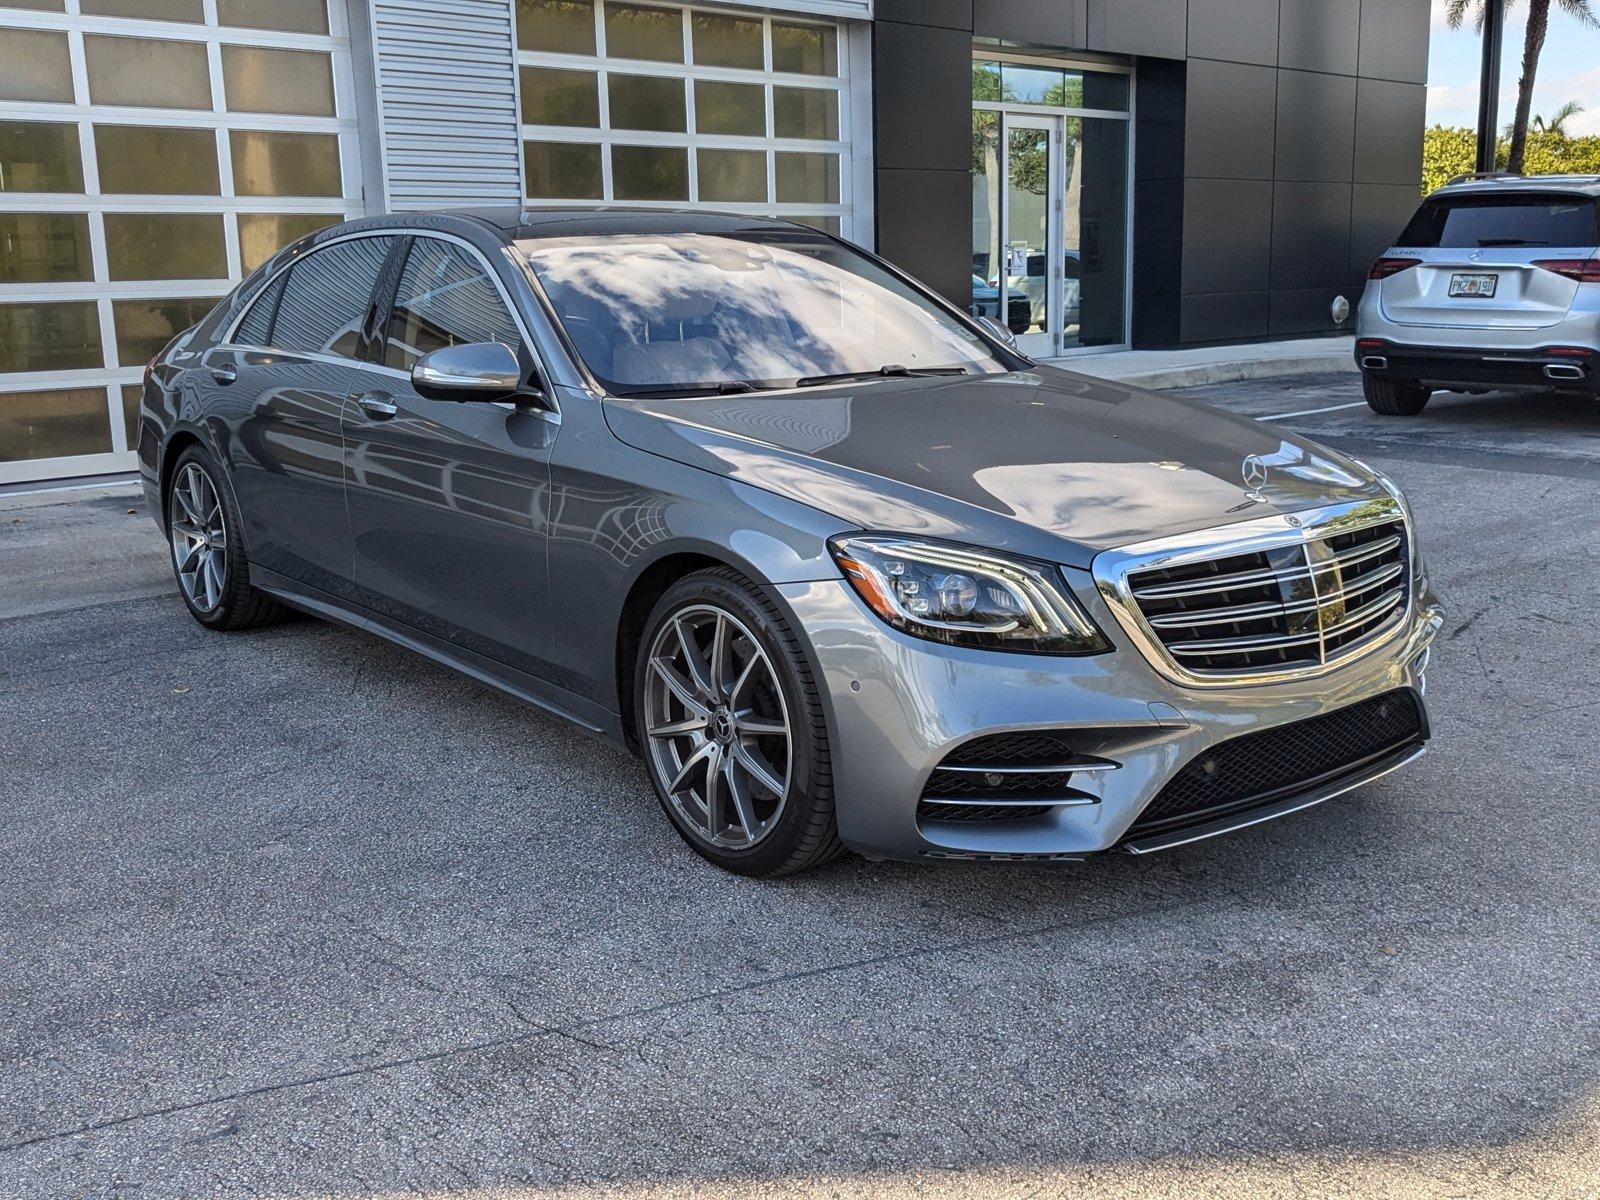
<point>444,299</point>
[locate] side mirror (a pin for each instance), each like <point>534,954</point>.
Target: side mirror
<point>474,371</point>
<point>999,331</point>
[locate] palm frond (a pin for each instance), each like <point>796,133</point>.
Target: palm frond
<point>1568,110</point>
<point>1582,11</point>
<point>1455,11</point>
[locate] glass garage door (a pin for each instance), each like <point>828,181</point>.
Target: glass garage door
<point>151,153</point>
<point>657,105</point>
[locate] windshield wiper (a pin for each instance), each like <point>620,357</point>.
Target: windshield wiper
<point>892,370</point>
<point>728,387</point>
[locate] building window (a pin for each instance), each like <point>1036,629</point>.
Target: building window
<point>1050,196</point>
<point>656,104</point>
<point>144,169</point>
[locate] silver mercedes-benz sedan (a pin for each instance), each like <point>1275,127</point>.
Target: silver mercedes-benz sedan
<point>843,567</point>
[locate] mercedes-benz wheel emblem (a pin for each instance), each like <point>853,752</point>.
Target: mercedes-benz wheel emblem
<point>1254,470</point>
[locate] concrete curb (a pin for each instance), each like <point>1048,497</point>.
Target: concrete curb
<point>1231,372</point>
<point>1218,364</point>
<point>42,495</point>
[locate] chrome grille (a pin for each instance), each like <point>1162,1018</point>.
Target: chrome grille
<point>1295,601</point>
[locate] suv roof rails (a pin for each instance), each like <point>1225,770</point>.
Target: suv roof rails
<point>1469,176</point>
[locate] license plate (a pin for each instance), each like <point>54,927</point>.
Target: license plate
<point>1474,285</point>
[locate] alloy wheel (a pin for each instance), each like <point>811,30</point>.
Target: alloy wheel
<point>199,536</point>
<point>717,725</point>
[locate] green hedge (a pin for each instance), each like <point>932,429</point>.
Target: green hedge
<point>1450,152</point>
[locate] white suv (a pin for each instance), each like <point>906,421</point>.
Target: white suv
<point>1494,284</point>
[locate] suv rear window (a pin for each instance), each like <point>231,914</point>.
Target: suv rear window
<point>1525,219</point>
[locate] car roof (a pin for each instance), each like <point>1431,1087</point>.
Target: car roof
<point>498,224</point>
<point>598,220</point>
<point>1464,185</point>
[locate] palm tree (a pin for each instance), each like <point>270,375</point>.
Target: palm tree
<point>1555,124</point>
<point>1532,46</point>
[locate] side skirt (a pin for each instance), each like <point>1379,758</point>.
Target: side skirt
<point>558,702</point>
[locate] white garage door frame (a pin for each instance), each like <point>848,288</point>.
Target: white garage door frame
<point>109,376</point>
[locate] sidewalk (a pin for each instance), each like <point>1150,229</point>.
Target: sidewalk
<point>1216,364</point>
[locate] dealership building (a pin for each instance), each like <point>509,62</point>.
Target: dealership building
<point>1096,173</point>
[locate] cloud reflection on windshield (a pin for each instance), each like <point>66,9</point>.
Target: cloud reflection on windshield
<point>698,309</point>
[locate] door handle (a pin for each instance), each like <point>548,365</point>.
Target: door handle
<point>376,405</point>
<point>224,372</point>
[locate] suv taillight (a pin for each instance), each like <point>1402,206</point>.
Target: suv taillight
<point>1584,270</point>
<point>1386,267</point>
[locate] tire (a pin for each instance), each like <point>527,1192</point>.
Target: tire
<point>1395,397</point>
<point>740,822</point>
<point>208,557</point>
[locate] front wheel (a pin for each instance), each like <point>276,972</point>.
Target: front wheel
<point>732,729</point>
<point>1395,397</point>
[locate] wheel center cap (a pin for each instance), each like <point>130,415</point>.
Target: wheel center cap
<point>722,725</point>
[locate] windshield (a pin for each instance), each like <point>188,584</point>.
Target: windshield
<point>687,313</point>
<point>1519,219</point>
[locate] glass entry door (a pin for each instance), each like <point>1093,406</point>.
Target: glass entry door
<point>1094,232</point>
<point>1030,247</point>
<point>1049,228</point>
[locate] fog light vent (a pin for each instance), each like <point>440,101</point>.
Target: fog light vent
<point>1008,777</point>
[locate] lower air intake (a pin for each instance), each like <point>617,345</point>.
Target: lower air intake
<point>1276,764</point>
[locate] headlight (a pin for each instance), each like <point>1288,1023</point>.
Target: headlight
<point>965,596</point>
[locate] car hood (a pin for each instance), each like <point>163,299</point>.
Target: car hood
<point>1041,462</point>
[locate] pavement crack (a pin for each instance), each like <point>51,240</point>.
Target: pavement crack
<point>572,1030</point>
<point>264,1090</point>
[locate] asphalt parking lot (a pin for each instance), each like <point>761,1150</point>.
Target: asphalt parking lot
<point>295,913</point>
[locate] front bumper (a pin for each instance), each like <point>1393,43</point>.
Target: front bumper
<point>898,706</point>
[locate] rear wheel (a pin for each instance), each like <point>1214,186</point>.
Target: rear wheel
<point>208,558</point>
<point>1395,397</point>
<point>732,728</point>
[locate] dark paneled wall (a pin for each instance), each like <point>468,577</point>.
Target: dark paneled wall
<point>1279,146</point>
<point>1303,155</point>
<point>1158,190</point>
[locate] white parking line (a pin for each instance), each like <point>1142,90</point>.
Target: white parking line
<point>1313,411</point>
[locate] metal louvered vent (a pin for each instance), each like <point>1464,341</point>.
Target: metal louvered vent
<point>446,72</point>
<point>1301,605</point>
<point>1007,777</point>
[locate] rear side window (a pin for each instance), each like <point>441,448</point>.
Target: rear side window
<point>256,328</point>
<point>444,299</point>
<point>326,299</point>
<point>1528,219</point>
